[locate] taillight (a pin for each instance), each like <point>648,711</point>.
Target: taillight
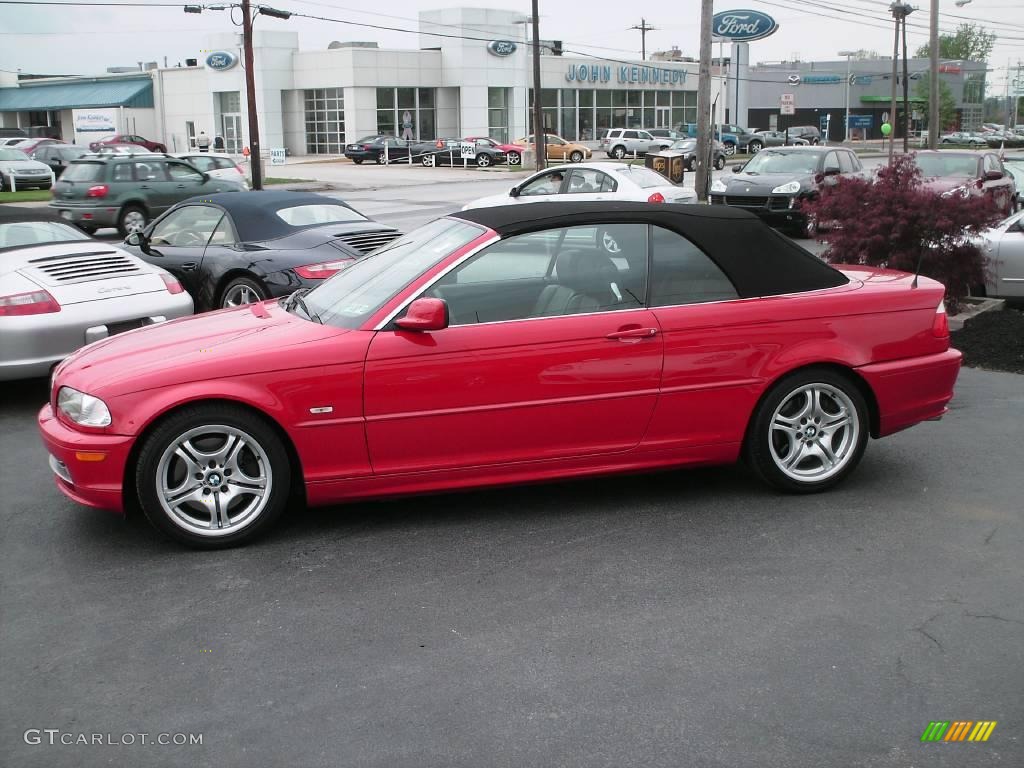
<point>940,325</point>
<point>367,146</point>
<point>239,169</point>
<point>320,271</point>
<point>97,190</point>
<point>980,183</point>
<point>173,286</point>
<point>31,303</point>
<point>657,197</point>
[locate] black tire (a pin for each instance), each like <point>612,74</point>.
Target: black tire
<point>729,147</point>
<point>357,160</point>
<point>427,161</point>
<point>689,165</point>
<point>128,221</point>
<point>240,291</point>
<point>618,152</point>
<point>774,419</point>
<point>814,141</point>
<point>273,465</point>
<point>576,156</point>
<point>89,229</point>
<point>514,158</point>
<point>754,147</point>
<point>483,160</point>
<point>380,159</point>
<point>719,163</point>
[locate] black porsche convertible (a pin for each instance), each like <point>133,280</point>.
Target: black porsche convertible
<point>231,249</point>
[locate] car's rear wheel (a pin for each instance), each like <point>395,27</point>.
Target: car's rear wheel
<point>483,160</point>
<point>576,156</point>
<point>729,147</point>
<point>719,163</point>
<point>619,152</point>
<point>242,290</point>
<point>514,158</point>
<point>754,147</point>
<point>89,229</point>
<point>133,219</point>
<point>380,159</point>
<point>213,476</point>
<point>809,432</point>
<point>427,161</point>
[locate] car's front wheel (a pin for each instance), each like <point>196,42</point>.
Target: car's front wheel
<point>242,290</point>
<point>357,160</point>
<point>483,160</point>
<point>576,157</point>
<point>619,152</point>
<point>754,147</point>
<point>427,161</point>
<point>213,476</point>
<point>514,158</point>
<point>809,432</point>
<point>719,163</point>
<point>730,148</point>
<point>133,219</point>
<point>380,159</point>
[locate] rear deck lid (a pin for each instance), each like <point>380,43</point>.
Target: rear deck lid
<point>90,272</point>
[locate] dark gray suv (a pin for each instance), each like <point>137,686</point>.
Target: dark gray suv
<point>128,191</point>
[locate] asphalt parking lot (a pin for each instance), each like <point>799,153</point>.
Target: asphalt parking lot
<point>679,619</point>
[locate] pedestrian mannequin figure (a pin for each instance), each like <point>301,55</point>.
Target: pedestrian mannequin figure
<point>203,142</point>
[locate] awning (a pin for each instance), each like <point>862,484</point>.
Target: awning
<point>77,95</point>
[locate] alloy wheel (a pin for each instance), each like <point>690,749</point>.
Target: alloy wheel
<point>814,432</point>
<point>239,294</point>
<point>134,221</point>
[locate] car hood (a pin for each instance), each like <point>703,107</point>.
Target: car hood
<point>945,183</point>
<point>749,183</point>
<point>243,341</point>
<point>23,165</point>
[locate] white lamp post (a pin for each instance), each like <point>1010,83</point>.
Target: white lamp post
<point>847,54</point>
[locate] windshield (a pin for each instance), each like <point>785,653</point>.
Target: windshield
<point>775,161</point>
<point>684,145</point>
<point>350,298</point>
<point>12,154</point>
<point>82,172</point>
<point>17,234</point>
<point>947,165</point>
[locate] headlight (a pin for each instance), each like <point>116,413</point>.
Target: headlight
<point>789,188</point>
<point>718,185</point>
<point>83,409</point>
<point>963,191</point>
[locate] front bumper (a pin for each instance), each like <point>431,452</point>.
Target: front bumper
<point>774,209</point>
<point>92,483</point>
<point>34,343</point>
<point>23,180</point>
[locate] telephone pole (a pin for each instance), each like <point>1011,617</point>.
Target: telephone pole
<point>644,29</point>
<point>906,100</point>
<point>933,82</point>
<point>539,136</point>
<point>250,95</point>
<point>704,138</point>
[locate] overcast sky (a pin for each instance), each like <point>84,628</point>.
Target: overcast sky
<point>87,40</point>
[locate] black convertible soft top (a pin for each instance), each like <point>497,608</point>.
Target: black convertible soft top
<point>758,260</point>
<point>253,213</point>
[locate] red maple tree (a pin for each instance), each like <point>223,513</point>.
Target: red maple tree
<point>893,221</point>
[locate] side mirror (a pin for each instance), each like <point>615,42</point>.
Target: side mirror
<point>737,168</point>
<point>139,240</point>
<point>832,171</point>
<point>993,175</point>
<point>514,192</point>
<point>206,176</point>
<point>425,314</point>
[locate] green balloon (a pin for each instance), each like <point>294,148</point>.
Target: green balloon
<point>886,129</point>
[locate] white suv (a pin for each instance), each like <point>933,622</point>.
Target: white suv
<point>620,142</point>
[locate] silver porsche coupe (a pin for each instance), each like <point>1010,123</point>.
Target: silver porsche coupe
<point>60,290</point>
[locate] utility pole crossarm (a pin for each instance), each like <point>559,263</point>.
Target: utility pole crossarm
<point>644,29</point>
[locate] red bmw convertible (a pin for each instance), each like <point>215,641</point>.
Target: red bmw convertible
<point>505,345</point>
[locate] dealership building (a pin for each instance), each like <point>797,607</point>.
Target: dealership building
<point>471,74</point>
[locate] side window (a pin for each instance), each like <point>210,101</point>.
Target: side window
<point>991,163</point>
<point>224,234</point>
<point>681,273</point>
<point>149,171</point>
<point>190,226</point>
<point>182,172</point>
<point>548,184</point>
<point>588,181</point>
<point>557,272</point>
<point>121,172</point>
<point>854,161</point>
<point>629,135</point>
<point>644,135</point>
<point>202,163</point>
<point>845,164</point>
<point>831,161</point>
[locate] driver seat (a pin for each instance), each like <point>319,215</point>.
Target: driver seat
<point>586,283</point>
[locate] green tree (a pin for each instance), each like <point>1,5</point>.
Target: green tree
<point>970,42</point>
<point>947,103</point>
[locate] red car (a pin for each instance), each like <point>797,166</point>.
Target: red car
<point>968,174</point>
<point>128,138</point>
<point>513,152</point>
<point>505,345</point>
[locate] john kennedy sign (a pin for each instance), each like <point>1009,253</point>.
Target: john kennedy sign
<point>742,26</point>
<point>603,73</point>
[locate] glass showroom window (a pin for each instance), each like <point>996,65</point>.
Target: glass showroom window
<point>325,121</point>
<point>407,113</point>
<point>498,102</point>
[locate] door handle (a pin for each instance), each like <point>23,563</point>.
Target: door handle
<point>190,266</point>
<point>181,186</point>
<point>633,334</point>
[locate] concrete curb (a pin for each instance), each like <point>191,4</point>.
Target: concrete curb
<point>971,307</point>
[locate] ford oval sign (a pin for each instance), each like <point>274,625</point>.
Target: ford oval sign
<point>742,26</point>
<point>221,60</point>
<point>502,47</point>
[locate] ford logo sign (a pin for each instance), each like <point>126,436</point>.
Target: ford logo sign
<point>742,26</point>
<point>793,79</point>
<point>221,60</point>
<point>501,47</point>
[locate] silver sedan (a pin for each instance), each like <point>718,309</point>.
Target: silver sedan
<point>61,290</point>
<point>1003,244</point>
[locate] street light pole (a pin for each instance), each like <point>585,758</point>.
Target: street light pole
<point>255,161</point>
<point>539,137</point>
<point>704,138</point>
<point>906,100</point>
<point>847,54</point>
<point>933,78</point>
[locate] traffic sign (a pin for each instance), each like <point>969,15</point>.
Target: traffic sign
<point>788,109</point>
